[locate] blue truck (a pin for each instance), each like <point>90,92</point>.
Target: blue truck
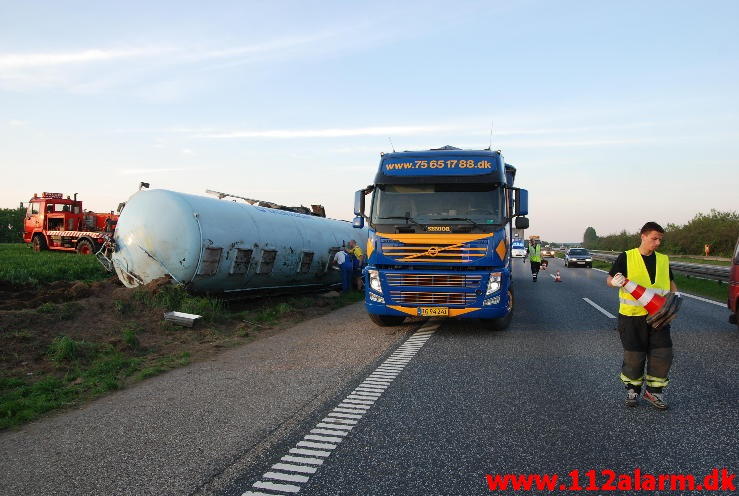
<point>440,230</point>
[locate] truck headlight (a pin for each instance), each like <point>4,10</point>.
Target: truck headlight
<point>588,259</point>
<point>493,283</point>
<point>374,280</point>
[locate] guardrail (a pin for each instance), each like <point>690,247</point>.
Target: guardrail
<point>705,271</point>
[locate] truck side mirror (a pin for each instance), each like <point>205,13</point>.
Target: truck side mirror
<point>358,222</point>
<point>522,222</point>
<point>521,206</point>
<point>359,202</point>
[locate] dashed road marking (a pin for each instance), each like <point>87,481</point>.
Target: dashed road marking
<point>600,308</point>
<point>308,454</point>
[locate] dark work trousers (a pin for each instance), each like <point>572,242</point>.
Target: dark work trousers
<point>644,344</point>
<point>346,278</point>
<point>535,266</point>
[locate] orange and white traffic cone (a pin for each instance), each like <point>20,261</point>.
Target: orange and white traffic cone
<point>662,309</point>
<point>557,278</point>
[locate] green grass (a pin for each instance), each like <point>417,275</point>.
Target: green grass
<point>175,298</point>
<point>88,370</point>
<point>65,311</point>
<point>19,264</point>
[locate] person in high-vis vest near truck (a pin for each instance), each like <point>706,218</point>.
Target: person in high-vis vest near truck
<point>535,256</point>
<point>643,344</point>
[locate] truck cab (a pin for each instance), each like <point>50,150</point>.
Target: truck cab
<point>440,230</point>
<point>57,223</point>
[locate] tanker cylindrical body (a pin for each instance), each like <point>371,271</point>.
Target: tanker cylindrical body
<point>222,246</point>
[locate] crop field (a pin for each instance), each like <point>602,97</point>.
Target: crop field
<point>19,264</point>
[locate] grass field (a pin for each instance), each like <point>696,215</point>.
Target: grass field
<point>19,264</point>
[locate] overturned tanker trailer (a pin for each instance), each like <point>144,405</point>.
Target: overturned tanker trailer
<point>217,246</point>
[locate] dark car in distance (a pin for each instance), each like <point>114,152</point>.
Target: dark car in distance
<point>578,257</point>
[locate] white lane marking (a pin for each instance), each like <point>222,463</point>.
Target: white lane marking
<point>294,468</point>
<point>310,444</point>
<point>370,389</point>
<point>323,439</point>
<point>355,408</point>
<point>302,459</point>
<point>350,410</point>
<point>345,415</point>
<point>285,488</point>
<point>300,451</point>
<point>358,392</point>
<point>257,493</point>
<point>339,421</point>
<point>328,432</point>
<point>285,477</point>
<point>325,436</point>
<point>384,375</point>
<point>333,425</point>
<point>704,299</point>
<point>600,309</point>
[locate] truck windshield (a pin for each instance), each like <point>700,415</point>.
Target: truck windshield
<point>470,204</point>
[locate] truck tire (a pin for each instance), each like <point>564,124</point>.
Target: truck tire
<point>386,320</point>
<point>39,243</point>
<point>85,247</point>
<point>502,323</point>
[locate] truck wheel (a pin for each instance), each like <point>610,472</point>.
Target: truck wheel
<point>502,323</point>
<point>386,320</point>
<point>84,247</point>
<point>39,243</point>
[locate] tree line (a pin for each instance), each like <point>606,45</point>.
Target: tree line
<point>719,230</point>
<point>11,225</point>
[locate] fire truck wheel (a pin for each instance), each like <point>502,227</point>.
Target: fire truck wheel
<point>39,243</point>
<point>84,247</point>
<point>386,320</point>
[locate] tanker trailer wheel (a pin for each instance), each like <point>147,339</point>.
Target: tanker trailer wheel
<point>502,323</point>
<point>85,247</point>
<point>39,243</point>
<point>386,320</point>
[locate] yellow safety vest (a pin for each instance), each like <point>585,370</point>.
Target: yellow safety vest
<point>637,272</point>
<point>535,253</point>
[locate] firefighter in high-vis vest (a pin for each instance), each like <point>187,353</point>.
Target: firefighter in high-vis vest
<point>642,343</point>
<point>535,256</point>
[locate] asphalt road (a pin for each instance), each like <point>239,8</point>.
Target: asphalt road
<point>337,406</point>
<point>541,397</point>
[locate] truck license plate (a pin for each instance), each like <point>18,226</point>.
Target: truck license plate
<point>433,311</point>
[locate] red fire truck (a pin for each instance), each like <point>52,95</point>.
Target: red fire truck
<point>56,223</point>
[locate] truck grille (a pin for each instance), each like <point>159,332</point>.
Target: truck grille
<point>434,280</point>
<point>424,298</point>
<point>438,253</point>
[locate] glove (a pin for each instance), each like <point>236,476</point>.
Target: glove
<point>618,280</point>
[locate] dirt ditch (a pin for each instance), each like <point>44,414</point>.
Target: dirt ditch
<point>128,326</point>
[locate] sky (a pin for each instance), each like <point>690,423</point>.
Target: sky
<point>614,113</point>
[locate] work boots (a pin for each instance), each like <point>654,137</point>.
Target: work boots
<point>656,399</point>
<point>632,397</point>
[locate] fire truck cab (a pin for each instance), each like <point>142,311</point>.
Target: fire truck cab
<point>57,223</point>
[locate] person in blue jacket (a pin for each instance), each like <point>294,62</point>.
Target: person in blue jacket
<point>344,259</point>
